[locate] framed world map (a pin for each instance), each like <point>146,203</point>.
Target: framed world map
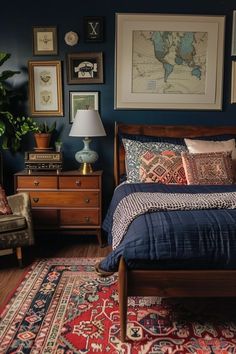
<point>169,61</point>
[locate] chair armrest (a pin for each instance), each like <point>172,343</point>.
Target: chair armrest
<point>20,205</point>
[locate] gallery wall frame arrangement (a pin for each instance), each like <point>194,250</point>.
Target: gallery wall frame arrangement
<point>82,100</point>
<point>85,68</point>
<point>45,40</point>
<point>94,29</point>
<point>233,82</point>
<point>45,88</point>
<point>186,74</point>
<point>233,47</point>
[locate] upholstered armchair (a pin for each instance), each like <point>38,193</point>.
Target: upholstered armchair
<point>16,229</point>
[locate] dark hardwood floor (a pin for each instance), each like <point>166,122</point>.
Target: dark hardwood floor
<point>46,246</point>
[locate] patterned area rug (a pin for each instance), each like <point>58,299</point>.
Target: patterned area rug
<point>63,307</point>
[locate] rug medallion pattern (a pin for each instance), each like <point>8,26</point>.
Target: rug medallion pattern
<point>63,307</point>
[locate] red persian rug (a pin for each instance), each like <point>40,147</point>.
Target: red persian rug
<point>63,307</point>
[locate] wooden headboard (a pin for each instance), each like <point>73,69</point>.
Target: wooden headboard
<point>175,131</point>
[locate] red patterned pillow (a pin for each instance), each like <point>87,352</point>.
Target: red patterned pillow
<point>4,206</point>
<point>208,168</point>
<point>167,168</point>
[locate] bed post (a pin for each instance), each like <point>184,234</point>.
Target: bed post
<point>123,299</point>
<point>116,155</point>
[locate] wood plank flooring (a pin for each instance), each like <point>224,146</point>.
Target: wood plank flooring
<point>48,246</point>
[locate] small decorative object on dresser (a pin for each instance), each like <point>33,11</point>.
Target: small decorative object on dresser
<point>68,201</point>
<point>87,123</point>
<point>43,136</point>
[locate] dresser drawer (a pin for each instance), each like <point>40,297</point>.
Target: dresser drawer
<point>78,182</point>
<point>45,218</point>
<point>37,182</point>
<point>64,199</point>
<point>79,217</point>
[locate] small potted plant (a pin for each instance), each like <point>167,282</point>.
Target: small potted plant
<point>43,135</point>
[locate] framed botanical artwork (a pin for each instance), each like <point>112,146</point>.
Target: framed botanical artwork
<point>45,88</point>
<point>45,40</point>
<point>82,100</point>
<point>233,47</point>
<point>169,61</point>
<point>233,82</point>
<point>93,29</point>
<point>85,68</point>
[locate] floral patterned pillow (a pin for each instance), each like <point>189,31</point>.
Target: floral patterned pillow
<point>135,149</point>
<point>208,168</point>
<point>4,206</point>
<point>165,168</point>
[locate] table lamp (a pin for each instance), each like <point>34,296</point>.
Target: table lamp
<point>87,124</point>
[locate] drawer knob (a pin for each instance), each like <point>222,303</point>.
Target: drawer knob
<point>87,218</point>
<point>36,200</point>
<point>78,182</point>
<point>36,183</point>
<point>87,200</point>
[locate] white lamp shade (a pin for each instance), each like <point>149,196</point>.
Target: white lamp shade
<point>87,123</point>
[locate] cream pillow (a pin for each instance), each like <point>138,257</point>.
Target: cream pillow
<point>203,146</point>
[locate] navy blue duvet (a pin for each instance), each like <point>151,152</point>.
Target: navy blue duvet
<point>191,239</point>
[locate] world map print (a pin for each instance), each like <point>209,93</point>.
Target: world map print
<point>170,62</point>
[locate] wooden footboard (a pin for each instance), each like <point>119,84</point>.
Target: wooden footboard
<point>171,283</point>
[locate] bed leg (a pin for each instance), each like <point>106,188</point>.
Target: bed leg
<point>123,299</point>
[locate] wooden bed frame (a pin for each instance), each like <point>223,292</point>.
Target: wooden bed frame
<point>167,283</point>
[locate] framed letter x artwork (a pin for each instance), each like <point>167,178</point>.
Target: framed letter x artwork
<point>93,29</point>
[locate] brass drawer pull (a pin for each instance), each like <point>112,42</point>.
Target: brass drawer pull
<point>36,183</point>
<point>36,200</point>
<point>78,183</point>
<point>87,219</point>
<point>87,200</point>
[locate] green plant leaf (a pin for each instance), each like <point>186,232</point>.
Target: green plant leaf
<point>4,57</point>
<point>7,74</point>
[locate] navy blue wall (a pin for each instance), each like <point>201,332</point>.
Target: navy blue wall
<point>16,38</point>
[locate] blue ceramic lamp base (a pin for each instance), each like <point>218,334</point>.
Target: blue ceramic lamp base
<point>86,157</point>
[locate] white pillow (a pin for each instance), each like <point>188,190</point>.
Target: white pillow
<point>200,146</point>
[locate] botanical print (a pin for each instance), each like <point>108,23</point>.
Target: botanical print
<point>169,62</point>
<point>46,97</point>
<point>45,78</point>
<point>45,41</point>
<point>46,88</point>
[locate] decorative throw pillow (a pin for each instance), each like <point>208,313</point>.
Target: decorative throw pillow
<point>166,168</point>
<point>135,149</point>
<point>4,206</point>
<point>208,168</point>
<point>202,146</point>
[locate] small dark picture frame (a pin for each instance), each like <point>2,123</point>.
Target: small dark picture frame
<point>45,40</point>
<point>93,29</point>
<point>85,68</point>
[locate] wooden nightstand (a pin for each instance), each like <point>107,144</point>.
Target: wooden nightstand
<point>64,201</point>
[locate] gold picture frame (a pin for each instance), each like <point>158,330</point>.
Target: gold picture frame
<point>233,82</point>
<point>45,40</point>
<point>45,88</point>
<point>169,61</point>
<point>233,45</point>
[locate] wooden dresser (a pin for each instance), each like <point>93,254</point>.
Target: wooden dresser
<point>64,201</point>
